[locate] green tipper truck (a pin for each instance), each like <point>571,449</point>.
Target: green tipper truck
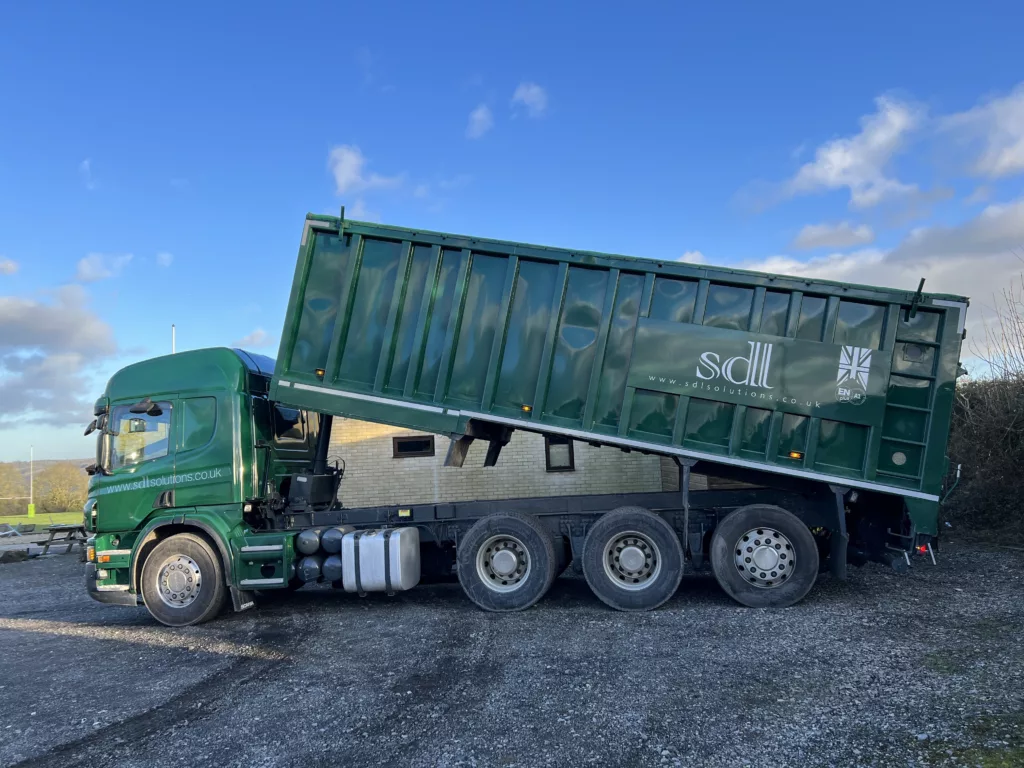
<point>829,402</point>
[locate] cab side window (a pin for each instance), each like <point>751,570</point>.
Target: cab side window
<point>198,422</point>
<point>138,437</point>
<point>289,425</point>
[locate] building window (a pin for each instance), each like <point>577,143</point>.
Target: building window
<point>558,455</point>
<point>405,447</point>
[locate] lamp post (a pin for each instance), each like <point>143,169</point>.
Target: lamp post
<point>31,480</point>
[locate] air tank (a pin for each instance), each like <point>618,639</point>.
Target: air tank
<point>309,568</point>
<point>308,541</point>
<point>331,539</point>
<point>331,568</point>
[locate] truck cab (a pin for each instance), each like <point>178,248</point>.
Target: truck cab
<point>190,445</point>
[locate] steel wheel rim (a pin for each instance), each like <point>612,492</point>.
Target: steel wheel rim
<point>503,563</point>
<point>179,581</point>
<point>765,557</point>
<point>632,561</point>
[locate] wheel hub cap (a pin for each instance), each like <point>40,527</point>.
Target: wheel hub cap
<point>503,563</point>
<point>632,560</point>
<point>178,581</point>
<point>765,557</point>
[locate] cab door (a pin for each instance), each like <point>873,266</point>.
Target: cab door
<point>206,449</point>
<point>139,464</point>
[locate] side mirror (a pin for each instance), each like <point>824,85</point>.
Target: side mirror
<point>91,428</point>
<point>91,469</point>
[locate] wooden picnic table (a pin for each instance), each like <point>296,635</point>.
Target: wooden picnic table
<point>71,534</point>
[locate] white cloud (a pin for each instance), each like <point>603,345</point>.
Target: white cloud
<point>531,96</point>
<point>165,259</point>
<point>100,266</point>
<point>841,235</point>
<point>860,162</point>
<point>426,191</point>
<point>457,181</point>
<point>365,62</point>
<point>63,325</point>
<point>46,350</point>
<point>997,230</point>
<point>981,194</point>
<point>348,165</point>
<point>998,126</point>
<point>360,212</point>
<point>837,266</point>
<point>8,266</point>
<point>258,338</point>
<point>480,122</point>
<point>977,259</point>
<point>694,257</point>
<point>85,171</point>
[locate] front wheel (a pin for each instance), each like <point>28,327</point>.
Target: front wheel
<point>764,557</point>
<point>183,581</point>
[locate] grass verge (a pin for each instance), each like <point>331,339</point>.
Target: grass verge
<point>43,519</point>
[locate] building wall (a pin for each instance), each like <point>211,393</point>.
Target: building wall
<point>373,476</point>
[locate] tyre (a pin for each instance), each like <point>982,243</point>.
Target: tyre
<point>632,559</point>
<point>764,556</point>
<point>183,581</point>
<point>506,562</point>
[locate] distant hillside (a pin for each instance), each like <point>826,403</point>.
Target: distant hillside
<point>41,464</point>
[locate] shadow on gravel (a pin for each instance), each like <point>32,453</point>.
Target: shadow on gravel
<point>568,592</point>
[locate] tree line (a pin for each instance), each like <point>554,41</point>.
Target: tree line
<point>60,487</point>
<point>988,425</point>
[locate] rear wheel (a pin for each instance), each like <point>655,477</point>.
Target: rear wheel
<point>183,581</point>
<point>632,559</point>
<point>506,562</point>
<point>764,557</point>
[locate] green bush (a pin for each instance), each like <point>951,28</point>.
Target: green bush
<point>988,442</point>
<point>988,425</point>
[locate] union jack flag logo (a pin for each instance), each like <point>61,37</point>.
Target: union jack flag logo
<point>854,365</point>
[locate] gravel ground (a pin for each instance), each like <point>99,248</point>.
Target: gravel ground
<point>882,670</point>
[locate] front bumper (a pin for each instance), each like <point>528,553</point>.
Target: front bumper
<point>107,594</point>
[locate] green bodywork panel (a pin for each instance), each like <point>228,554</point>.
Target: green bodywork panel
<point>429,330</point>
<point>211,447</point>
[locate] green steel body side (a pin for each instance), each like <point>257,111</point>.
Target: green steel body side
<point>844,383</point>
<point>219,419</point>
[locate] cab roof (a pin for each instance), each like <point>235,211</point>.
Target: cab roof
<point>192,371</point>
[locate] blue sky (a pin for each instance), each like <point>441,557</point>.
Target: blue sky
<point>156,163</point>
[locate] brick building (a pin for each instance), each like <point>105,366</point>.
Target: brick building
<point>390,465</point>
